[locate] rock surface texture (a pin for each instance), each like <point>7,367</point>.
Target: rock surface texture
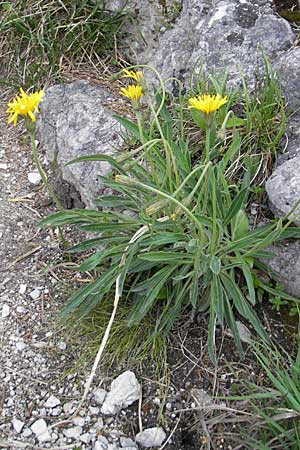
<point>215,35</point>
<point>75,121</point>
<point>285,262</point>
<point>283,188</point>
<point>151,437</point>
<point>124,391</point>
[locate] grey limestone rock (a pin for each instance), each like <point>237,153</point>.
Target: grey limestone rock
<point>288,66</point>
<point>76,121</point>
<point>285,262</point>
<point>151,437</point>
<point>214,34</point>
<point>124,391</point>
<point>283,188</point>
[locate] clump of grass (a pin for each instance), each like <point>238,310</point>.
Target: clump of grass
<point>38,37</point>
<point>126,346</point>
<point>277,403</point>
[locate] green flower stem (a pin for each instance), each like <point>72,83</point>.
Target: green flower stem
<point>137,184</point>
<point>42,172</point>
<point>45,181</point>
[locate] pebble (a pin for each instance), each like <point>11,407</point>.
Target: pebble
<point>52,402</point>
<point>35,294</point>
<point>99,396</point>
<point>73,433</point>
<point>151,437</point>
<point>124,391</point>
<point>61,345</point>
<point>97,426</point>
<point>5,311</point>
<point>34,178</point>
<point>69,408</point>
<point>18,425</point>
<point>22,288</point>
<point>39,428</point>
<point>20,346</point>
<point>79,421</point>
<point>85,438</point>
<point>127,442</point>
<point>27,432</point>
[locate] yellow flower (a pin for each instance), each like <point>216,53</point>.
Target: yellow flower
<point>24,105</point>
<point>137,76</point>
<point>207,103</point>
<point>132,92</point>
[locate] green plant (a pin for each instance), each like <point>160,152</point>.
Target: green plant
<point>279,411</point>
<point>174,236</point>
<point>38,38</point>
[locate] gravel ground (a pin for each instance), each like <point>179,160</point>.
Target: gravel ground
<point>35,390</point>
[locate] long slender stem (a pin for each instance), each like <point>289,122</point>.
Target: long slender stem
<point>42,172</point>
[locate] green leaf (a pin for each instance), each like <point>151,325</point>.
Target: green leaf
<point>143,305</point>
<point>194,290</point>
<point>167,257</point>
<point>242,306</point>
<point>235,121</point>
<point>217,298</point>
<point>198,118</point>
<point>97,157</point>
<point>110,227</point>
<point>230,155</point>
<point>215,265</point>
<point>130,126</point>
<point>95,242</point>
<point>232,324</point>
<point>94,260</point>
<point>211,345</point>
<point>236,205</point>
<point>241,225</point>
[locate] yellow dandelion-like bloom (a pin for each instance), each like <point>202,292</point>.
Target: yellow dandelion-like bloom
<point>207,103</point>
<point>24,105</point>
<point>132,92</point>
<point>137,76</point>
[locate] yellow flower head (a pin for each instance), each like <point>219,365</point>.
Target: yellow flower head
<point>132,92</point>
<point>24,105</point>
<point>137,76</point>
<point>207,103</point>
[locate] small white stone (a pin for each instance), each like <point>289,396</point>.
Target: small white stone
<point>94,410</point>
<point>39,428</point>
<point>101,444</point>
<point>98,425</point>
<point>22,288</point>
<point>127,442</point>
<point>20,309</point>
<point>244,332</point>
<point>18,425</point>
<point>3,166</point>
<point>99,396</point>
<point>35,294</point>
<point>61,345</point>
<point>34,178</point>
<point>27,432</point>
<point>85,438</point>
<point>69,408</point>
<point>5,311</point>
<point>20,346</point>
<point>125,390</point>
<point>52,402</point>
<point>151,437</point>
<point>79,421</point>
<point>73,433</point>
